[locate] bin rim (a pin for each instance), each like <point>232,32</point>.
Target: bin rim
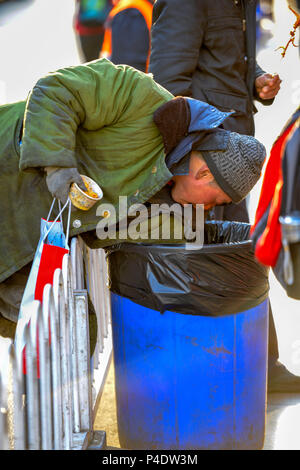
<point>188,247</point>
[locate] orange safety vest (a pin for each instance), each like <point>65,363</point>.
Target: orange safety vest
<point>144,7</point>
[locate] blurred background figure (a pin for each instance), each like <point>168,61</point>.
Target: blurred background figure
<point>89,19</point>
<point>264,21</point>
<point>296,5</point>
<point>127,33</point>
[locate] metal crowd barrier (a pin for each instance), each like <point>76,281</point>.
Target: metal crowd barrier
<point>53,405</point>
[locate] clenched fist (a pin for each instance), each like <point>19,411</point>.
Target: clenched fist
<point>267,86</point>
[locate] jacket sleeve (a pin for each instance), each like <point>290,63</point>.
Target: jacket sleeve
<point>258,72</point>
<point>89,96</point>
<point>130,39</point>
<point>177,35</point>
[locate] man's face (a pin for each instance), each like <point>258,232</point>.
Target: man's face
<point>198,187</point>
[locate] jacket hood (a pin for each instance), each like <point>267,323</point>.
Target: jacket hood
<point>204,116</point>
<point>203,132</point>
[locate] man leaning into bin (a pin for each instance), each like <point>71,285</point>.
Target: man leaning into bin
<point>123,130</point>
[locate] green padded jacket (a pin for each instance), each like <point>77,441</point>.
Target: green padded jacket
<point>96,117</point>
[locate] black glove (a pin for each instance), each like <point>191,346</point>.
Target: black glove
<point>59,180</point>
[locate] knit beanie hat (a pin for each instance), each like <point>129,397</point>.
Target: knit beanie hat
<point>238,168</point>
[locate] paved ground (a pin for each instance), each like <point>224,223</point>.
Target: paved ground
<point>106,418</point>
<point>38,38</point>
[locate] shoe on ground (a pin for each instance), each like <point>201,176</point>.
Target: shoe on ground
<point>281,380</point>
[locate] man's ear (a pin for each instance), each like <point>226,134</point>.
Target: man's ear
<point>199,168</point>
<point>203,173</point>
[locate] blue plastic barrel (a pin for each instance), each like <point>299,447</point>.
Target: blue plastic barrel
<point>190,331</point>
<point>189,381</point>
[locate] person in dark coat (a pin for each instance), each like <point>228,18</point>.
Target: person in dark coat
<point>207,50</point>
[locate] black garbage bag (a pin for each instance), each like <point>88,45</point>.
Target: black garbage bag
<point>221,278</point>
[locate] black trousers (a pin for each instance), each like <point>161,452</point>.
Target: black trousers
<point>239,213</point>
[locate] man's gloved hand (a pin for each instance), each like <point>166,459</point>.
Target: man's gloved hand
<point>59,180</point>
